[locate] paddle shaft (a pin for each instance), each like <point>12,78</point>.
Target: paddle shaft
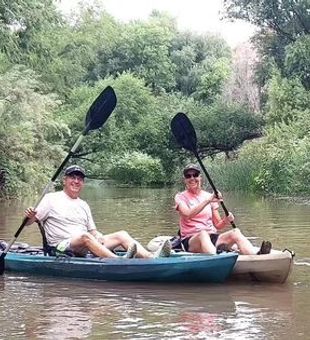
<point>212,185</point>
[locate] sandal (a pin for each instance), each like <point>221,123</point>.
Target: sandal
<point>221,248</point>
<point>265,248</point>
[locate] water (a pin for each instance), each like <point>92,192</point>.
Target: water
<point>52,308</point>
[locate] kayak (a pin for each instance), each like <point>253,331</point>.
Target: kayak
<point>274,267</point>
<point>179,268</point>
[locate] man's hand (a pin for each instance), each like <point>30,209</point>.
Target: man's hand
<point>30,213</point>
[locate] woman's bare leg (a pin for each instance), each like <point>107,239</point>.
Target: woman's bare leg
<point>201,243</point>
<point>235,236</point>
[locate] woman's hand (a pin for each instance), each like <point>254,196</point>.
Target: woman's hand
<point>230,218</point>
<point>216,198</point>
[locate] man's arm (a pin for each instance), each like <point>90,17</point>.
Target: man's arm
<point>97,234</point>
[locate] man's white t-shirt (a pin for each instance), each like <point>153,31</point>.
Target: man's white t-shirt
<point>64,217</point>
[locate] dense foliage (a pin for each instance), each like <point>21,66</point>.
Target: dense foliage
<point>279,162</point>
<point>52,69</point>
<point>31,135</point>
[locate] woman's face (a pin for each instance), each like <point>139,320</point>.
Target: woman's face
<point>192,180</point>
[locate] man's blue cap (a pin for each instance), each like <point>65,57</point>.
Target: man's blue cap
<point>75,169</point>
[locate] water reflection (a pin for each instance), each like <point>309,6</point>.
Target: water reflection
<point>65,309</point>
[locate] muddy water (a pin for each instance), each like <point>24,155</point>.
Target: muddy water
<point>48,308</point>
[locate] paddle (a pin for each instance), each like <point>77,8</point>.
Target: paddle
<point>185,135</point>
<point>96,116</point>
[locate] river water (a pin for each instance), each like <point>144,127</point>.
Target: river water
<point>34,307</point>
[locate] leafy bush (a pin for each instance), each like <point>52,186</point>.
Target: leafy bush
<point>287,100</point>
<point>137,168</point>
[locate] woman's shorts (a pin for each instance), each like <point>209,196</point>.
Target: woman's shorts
<point>185,241</point>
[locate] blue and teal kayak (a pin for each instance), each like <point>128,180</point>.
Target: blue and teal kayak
<point>183,268</point>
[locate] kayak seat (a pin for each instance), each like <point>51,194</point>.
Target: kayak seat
<point>49,250</point>
<point>46,248</point>
<point>176,243</point>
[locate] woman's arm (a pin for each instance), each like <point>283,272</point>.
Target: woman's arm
<point>219,222</point>
<point>188,212</point>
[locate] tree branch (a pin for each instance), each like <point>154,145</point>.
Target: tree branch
<point>212,150</point>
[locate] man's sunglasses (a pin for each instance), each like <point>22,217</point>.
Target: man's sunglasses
<point>195,175</point>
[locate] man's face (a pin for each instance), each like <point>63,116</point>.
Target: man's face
<point>73,184</point>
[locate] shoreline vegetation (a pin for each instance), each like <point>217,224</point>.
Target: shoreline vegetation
<point>250,105</point>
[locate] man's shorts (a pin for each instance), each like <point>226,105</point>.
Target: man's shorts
<point>64,246</point>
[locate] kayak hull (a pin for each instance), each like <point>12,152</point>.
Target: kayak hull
<point>213,268</point>
<point>274,267</point>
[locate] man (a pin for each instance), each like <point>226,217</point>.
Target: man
<point>69,226</point>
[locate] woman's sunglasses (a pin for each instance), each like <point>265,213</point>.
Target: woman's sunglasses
<point>195,175</point>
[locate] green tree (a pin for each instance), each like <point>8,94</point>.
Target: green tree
<point>137,168</point>
<point>286,18</point>
<point>67,55</point>
<point>280,24</point>
<point>31,137</point>
<point>288,100</point>
<point>212,81</point>
<point>195,57</point>
<point>19,19</point>
<point>143,49</point>
<point>297,60</point>
<point>224,127</point>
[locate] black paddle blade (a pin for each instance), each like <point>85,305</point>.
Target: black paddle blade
<point>184,132</point>
<point>100,110</point>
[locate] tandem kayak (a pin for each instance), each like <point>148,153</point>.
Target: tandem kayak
<point>274,267</point>
<point>179,268</point>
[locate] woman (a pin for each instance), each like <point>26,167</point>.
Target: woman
<point>200,220</point>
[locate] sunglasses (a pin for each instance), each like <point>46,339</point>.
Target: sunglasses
<point>195,175</point>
